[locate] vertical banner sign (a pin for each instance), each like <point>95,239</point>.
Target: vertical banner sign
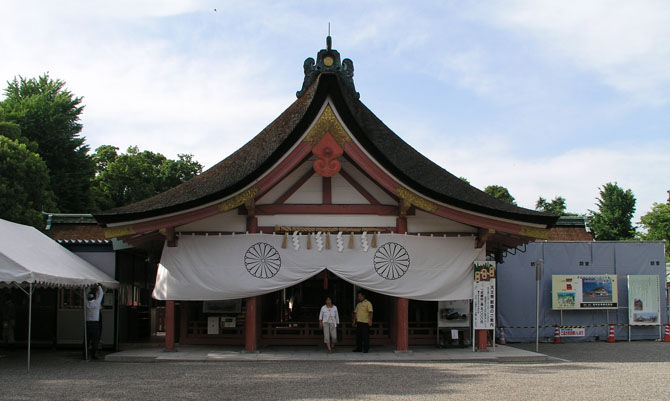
<point>484,296</point>
<point>644,303</point>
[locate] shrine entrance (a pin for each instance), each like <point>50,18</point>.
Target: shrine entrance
<point>291,316</point>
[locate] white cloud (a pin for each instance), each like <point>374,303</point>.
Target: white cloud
<point>177,77</point>
<point>576,174</point>
<point>625,43</point>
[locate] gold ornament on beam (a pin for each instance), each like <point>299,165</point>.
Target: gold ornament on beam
<point>309,241</point>
<point>410,198</point>
<point>327,240</point>
<point>351,241</point>
<point>284,241</point>
<point>374,240</point>
<point>327,122</point>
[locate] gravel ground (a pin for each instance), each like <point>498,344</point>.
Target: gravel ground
<point>593,371</point>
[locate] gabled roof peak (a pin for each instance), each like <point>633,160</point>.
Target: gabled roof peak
<point>328,61</point>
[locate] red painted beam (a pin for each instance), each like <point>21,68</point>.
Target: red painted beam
<point>266,183</point>
<point>380,210</point>
<point>301,181</point>
<point>326,190</point>
<point>271,229</point>
<point>177,220</point>
<point>386,181</point>
<point>358,187</point>
<point>284,168</point>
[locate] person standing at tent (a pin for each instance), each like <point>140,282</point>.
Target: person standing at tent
<point>362,319</point>
<point>328,321</point>
<point>93,327</point>
<point>8,321</point>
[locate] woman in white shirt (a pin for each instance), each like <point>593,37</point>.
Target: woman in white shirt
<point>328,321</point>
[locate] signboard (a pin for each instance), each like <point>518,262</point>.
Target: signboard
<point>213,325</point>
<point>484,296</point>
<point>584,291</point>
<point>572,332</point>
<point>644,304</point>
<point>453,313</point>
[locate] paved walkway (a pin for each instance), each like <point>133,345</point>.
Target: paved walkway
<point>208,353</point>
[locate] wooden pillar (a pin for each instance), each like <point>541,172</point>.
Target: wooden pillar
<point>169,326</point>
<point>481,339</point>
<point>183,323</point>
<point>402,304</point>
<point>251,311</point>
<point>402,341</point>
<point>401,225</point>
<point>250,325</point>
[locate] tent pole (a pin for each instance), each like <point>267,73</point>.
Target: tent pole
<point>85,328</point>
<point>30,321</point>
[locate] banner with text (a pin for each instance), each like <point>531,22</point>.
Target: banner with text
<point>484,296</point>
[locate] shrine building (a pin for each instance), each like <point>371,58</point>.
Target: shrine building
<point>325,201</point>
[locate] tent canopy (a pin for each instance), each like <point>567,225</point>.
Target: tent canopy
<point>28,256</point>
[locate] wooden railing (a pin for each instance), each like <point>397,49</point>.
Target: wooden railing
<point>307,333</point>
<point>287,333</point>
<point>422,333</point>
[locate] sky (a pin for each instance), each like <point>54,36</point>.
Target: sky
<point>543,97</point>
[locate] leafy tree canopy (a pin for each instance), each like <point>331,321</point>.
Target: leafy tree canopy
<point>556,206</point>
<point>48,117</point>
<point>121,179</point>
<point>24,184</point>
<point>612,221</point>
<point>465,180</point>
<point>500,192</point>
<point>656,225</point>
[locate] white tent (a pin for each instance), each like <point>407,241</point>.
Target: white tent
<point>30,259</point>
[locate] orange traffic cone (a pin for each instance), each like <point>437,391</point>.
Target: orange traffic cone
<point>557,335</point>
<point>610,336</point>
<point>501,338</point>
<point>666,337</point>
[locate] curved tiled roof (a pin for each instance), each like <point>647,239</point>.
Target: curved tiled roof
<point>254,158</point>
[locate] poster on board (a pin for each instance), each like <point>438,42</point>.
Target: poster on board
<point>453,313</point>
<point>484,296</point>
<point>584,292</point>
<point>644,303</point>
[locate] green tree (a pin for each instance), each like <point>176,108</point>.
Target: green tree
<point>24,184</point>
<point>48,115</point>
<point>465,180</point>
<point>556,206</point>
<point>612,221</point>
<point>121,179</point>
<point>10,130</point>
<point>500,192</point>
<point>656,225</point>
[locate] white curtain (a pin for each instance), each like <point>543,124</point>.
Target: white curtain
<point>240,266</point>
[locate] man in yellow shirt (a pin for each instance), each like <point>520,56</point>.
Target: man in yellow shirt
<point>362,319</point>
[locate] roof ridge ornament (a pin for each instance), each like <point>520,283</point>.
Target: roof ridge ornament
<point>328,61</point>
